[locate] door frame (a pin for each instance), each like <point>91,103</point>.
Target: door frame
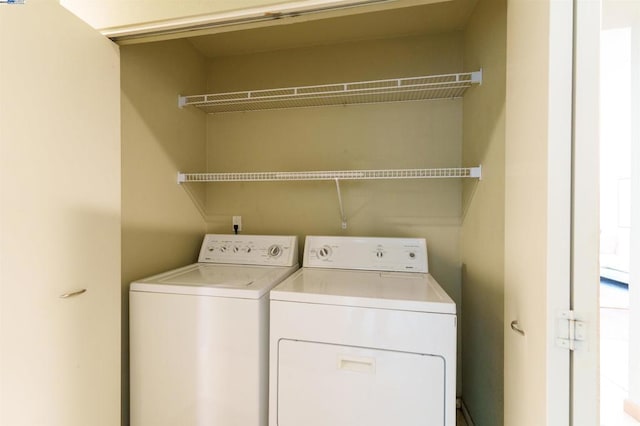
<point>585,216</point>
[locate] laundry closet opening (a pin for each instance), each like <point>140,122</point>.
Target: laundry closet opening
<point>461,219</point>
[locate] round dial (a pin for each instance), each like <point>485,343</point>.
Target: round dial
<point>274,250</point>
<point>379,253</point>
<point>324,252</point>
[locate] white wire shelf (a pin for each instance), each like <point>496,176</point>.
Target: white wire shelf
<point>465,172</point>
<point>444,86</point>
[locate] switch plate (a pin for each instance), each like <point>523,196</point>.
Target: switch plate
<point>237,220</point>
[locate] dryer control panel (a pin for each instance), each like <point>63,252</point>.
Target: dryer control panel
<point>274,250</point>
<point>367,253</point>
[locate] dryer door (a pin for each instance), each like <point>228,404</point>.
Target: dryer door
<point>322,384</point>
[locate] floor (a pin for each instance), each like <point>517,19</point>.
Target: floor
<point>460,419</point>
<point>614,354</point>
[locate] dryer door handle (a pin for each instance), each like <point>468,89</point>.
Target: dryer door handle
<point>360,364</point>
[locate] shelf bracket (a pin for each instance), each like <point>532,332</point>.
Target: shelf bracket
<point>476,77</point>
<point>182,101</point>
<point>342,215</point>
<point>476,172</point>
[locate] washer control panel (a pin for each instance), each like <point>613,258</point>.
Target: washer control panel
<point>275,250</point>
<point>374,254</point>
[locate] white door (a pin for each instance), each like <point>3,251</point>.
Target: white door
<point>551,261</point>
<point>59,220</point>
<point>537,210</point>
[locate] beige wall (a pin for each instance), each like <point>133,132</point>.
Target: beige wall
<point>366,60</point>
<point>400,135</point>
<point>161,226</point>
<point>482,242</point>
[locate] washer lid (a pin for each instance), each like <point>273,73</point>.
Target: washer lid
<point>204,279</point>
<point>406,291</point>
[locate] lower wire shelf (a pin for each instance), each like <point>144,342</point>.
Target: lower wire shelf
<point>460,172</point>
<point>337,176</point>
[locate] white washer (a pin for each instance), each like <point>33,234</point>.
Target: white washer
<point>199,334</point>
<point>362,335</point>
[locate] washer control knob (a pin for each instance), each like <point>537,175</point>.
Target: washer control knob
<point>379,253</point>
<point>274,250</point>
<point>324,252</point>
<point>236,249</point>
<point>247,249</point>
<point>412,255</point>
<point>223,249</point>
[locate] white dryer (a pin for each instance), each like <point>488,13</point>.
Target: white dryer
<point>362,335</point>
<point>199,335</point>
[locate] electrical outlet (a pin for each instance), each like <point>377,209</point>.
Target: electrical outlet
<point>237,220</point>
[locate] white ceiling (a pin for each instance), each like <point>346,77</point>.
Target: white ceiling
<point>416,20</point>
